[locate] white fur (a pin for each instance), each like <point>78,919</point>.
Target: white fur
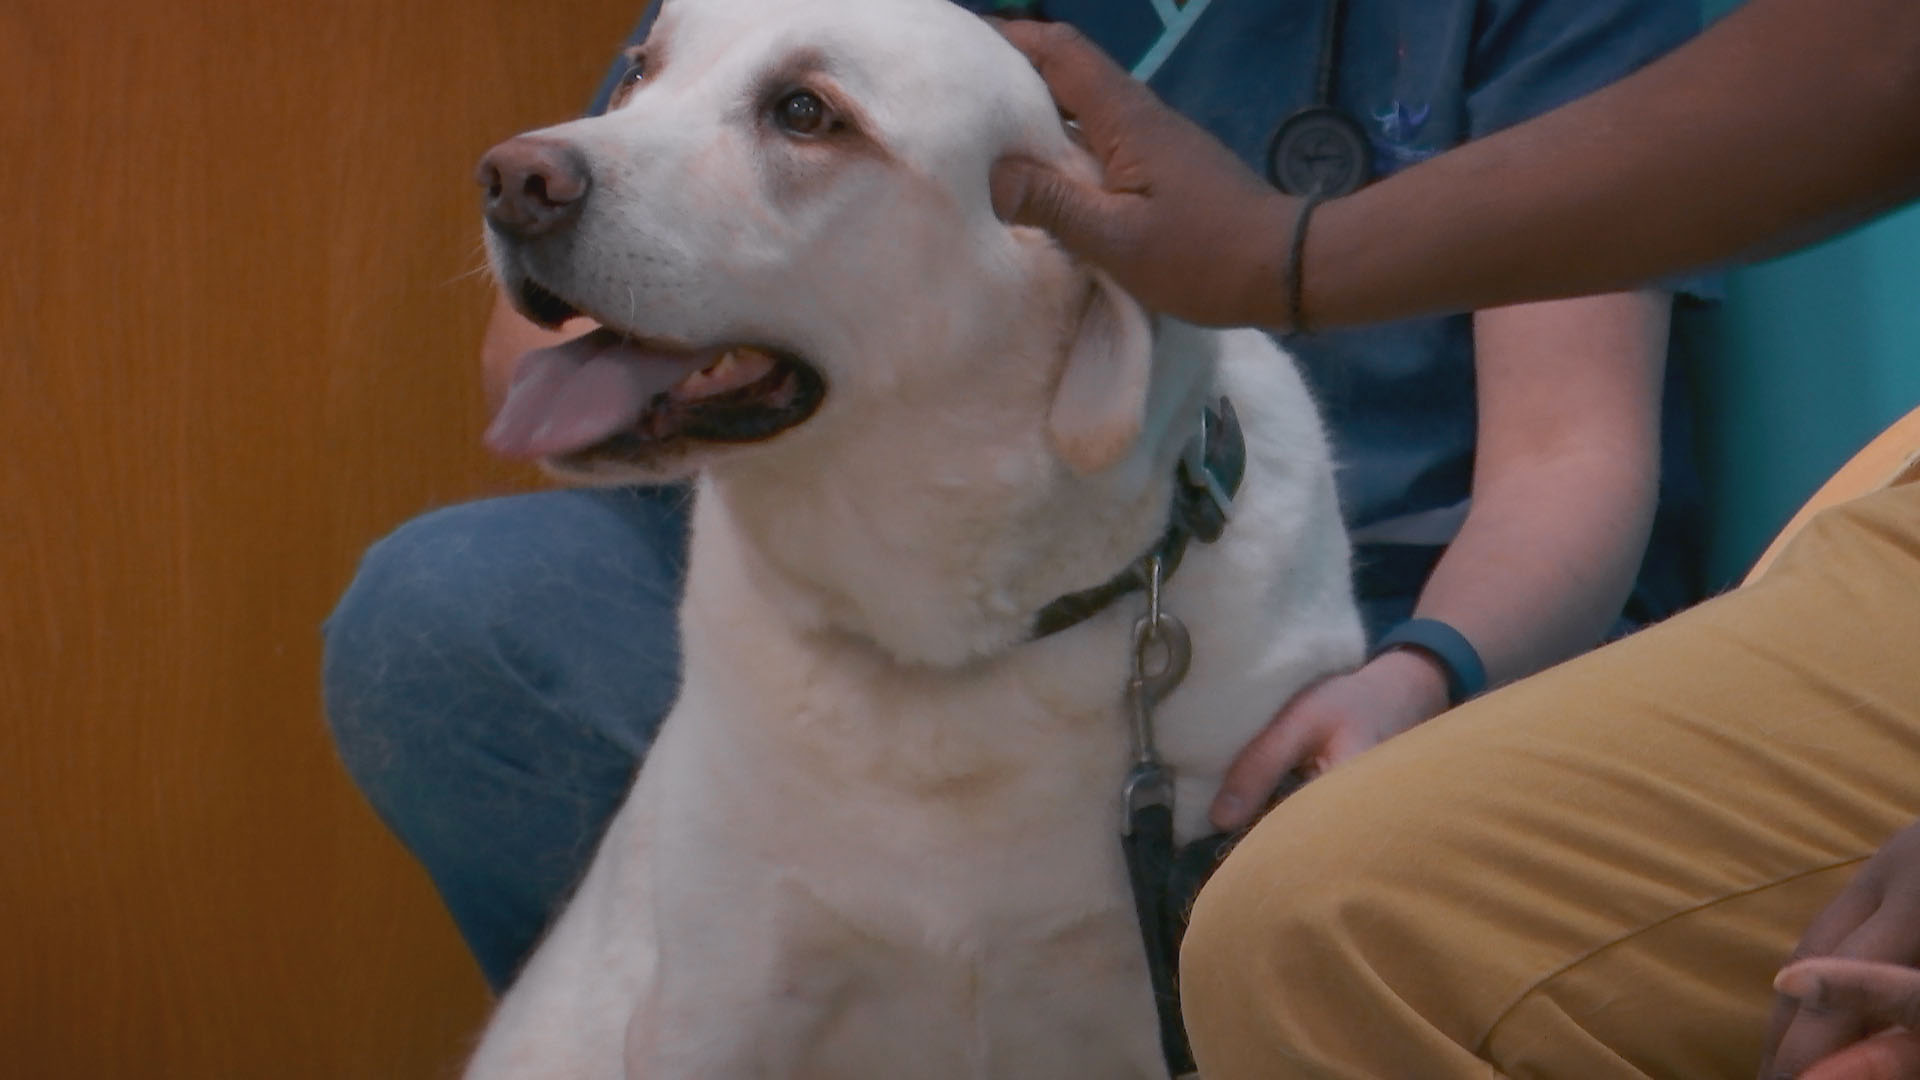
<point>877,835</point>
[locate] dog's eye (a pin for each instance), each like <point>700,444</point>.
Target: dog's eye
<point>630,77</point>
<point>801,113</point>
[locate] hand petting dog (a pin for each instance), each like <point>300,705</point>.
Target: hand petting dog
<point>1181,223</point>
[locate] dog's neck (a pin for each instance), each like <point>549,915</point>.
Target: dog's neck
<point>937,532</point>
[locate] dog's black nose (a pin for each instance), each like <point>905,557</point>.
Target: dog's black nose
<point>533,185</point>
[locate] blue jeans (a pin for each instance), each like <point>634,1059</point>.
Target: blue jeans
<point>493,677</point>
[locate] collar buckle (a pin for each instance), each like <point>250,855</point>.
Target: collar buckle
<point>1212,464</point>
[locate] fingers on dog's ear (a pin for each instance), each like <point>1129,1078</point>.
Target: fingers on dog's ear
<point>1085,82</point>
<point>1082,217</point>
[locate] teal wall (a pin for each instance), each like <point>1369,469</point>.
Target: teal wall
<point>1808,359</point>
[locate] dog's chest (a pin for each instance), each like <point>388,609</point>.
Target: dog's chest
<point>931,865</point>
<point>990,1006</point>
<point>833,738</point>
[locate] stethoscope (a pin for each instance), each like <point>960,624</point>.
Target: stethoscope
<point>1318,149</point>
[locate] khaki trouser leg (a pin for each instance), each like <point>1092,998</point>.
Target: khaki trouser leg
<point>1594,872</point>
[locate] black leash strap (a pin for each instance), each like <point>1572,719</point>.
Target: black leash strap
<point>1148,844</point>
<point>1164,880</point>
<point>1162,651</point>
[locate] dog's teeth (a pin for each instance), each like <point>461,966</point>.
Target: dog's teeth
<point>730,370</point>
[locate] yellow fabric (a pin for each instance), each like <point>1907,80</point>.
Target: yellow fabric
<point>1594,872</point>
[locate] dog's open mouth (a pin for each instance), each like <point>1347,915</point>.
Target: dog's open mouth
<point>609,395</point>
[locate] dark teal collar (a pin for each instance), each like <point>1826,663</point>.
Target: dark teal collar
<point>1205,480</point>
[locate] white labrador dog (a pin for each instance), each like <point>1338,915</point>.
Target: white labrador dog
<point>878,834</point>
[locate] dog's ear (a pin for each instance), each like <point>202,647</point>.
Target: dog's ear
<point>1101,403</point>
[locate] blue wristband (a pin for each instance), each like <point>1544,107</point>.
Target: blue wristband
<point>1466,675</point>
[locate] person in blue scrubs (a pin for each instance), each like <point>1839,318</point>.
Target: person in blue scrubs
<point>496,671</point>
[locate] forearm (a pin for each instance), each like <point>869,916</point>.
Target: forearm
<point>1783,122</point>
<point>1786,120</point>
<point>1566,477</point>
<point>1543,564</point>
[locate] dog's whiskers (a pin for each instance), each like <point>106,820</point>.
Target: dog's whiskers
<point>482,267</point>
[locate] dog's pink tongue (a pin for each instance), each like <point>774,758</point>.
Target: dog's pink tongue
<point>570,396</point>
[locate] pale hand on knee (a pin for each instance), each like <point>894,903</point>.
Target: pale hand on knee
<point>1328,723</point>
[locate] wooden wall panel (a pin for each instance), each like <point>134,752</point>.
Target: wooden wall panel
<point>238,341</point>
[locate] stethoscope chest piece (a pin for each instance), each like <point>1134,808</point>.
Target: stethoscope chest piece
<point>1319,149</point>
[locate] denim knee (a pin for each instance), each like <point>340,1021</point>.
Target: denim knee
<point>493,676</point>
<point>566,595</point>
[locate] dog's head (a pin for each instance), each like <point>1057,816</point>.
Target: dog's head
<point>783,218</point>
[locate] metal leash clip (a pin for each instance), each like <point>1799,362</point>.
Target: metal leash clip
<point>1149,783</point>
<point>1162,651</point>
